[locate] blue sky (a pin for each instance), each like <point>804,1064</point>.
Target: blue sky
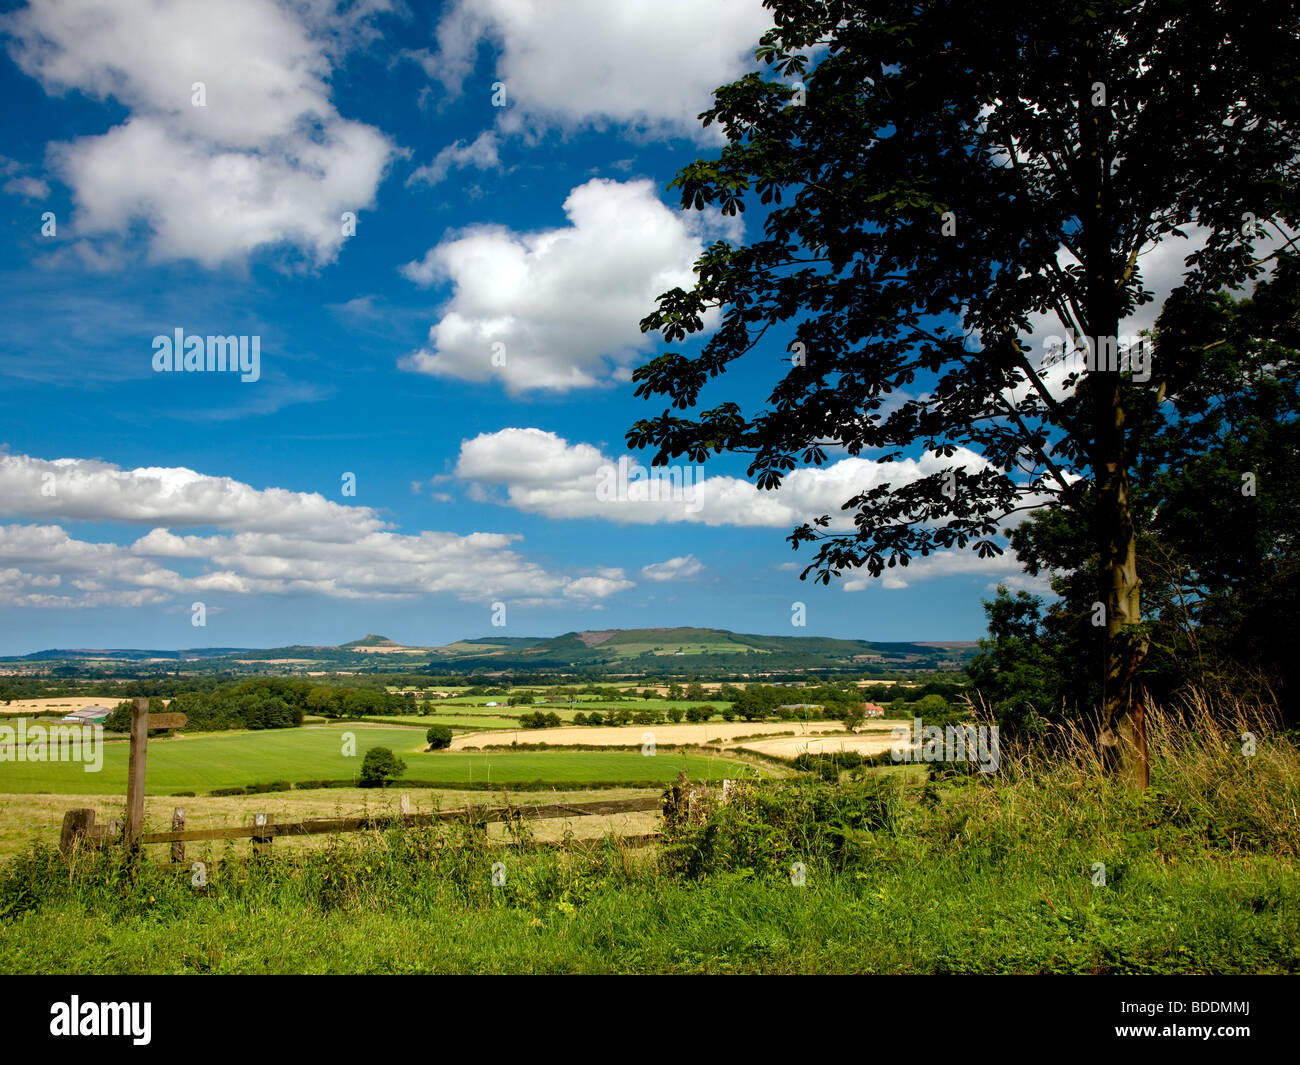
<point>464,354</point>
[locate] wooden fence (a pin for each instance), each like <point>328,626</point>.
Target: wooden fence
<point>80,827</point>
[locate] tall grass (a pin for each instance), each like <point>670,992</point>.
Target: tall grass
<point>1222,771</point>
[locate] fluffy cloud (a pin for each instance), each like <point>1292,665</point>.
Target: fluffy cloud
<point>267,161</point>
<point>1002,569</point>
<point>605,583</point>
<point>481,153</point>
<point>564,304</point>
<point>41,566</point>
<point>21,183</point>
<point>651,65</point>
<point>674,569</point>
<point>271,541</point>
<point>90,490</point>
<point>538,472</point>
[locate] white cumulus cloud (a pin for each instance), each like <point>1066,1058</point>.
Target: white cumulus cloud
<point>480,153</point>
<point>650,65</point>
<point>680,568</point>
<point>557,309</point>
<point>266,161</point>
<point>269,541</point>
<point>539,472</point>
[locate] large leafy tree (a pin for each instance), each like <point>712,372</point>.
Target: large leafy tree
<point>943,175</point>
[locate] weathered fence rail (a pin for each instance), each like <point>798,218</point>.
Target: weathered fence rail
<point>79,825</point>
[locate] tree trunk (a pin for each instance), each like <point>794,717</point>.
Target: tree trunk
<point>1122,742</point>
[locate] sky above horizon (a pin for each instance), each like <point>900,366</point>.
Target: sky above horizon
<point>438,228</point>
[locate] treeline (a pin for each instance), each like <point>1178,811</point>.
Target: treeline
<point>267,702</point>
<point>704,667</point>
<point>936,701</point>
<point>168,686</point>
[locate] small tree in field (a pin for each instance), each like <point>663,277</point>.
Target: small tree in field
<point>380,767</point>
<point>439,737</point>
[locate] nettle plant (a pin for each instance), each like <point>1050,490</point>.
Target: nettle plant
<point>945,177</point>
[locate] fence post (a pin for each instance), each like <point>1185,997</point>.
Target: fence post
<point>178,825</point>
<point>135,772</point>
<point>76,826</point>
<point>260,843</point>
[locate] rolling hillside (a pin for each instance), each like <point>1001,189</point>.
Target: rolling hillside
<point>663,651</point>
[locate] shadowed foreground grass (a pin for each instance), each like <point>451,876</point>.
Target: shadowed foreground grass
<point>962,873</point>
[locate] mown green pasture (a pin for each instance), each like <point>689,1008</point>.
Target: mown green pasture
<point>201,762</point>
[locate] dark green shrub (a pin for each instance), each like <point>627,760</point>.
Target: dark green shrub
<point>261,789</point>
<point>439,736</point>
<point>380,767</point>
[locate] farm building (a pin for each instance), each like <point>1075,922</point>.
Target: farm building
<point>87,715</point>
<point>872,710</point>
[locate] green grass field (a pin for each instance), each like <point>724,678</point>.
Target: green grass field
<point>203,761</point>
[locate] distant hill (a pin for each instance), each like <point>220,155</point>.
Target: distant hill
<point>125,654</point>
<point>630,651</point>
<point>371,640</point>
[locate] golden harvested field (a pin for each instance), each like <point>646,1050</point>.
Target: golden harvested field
<point>60,704</point>
<point>871,743</point>
<point>27,817</point>
<point>632,735</point>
